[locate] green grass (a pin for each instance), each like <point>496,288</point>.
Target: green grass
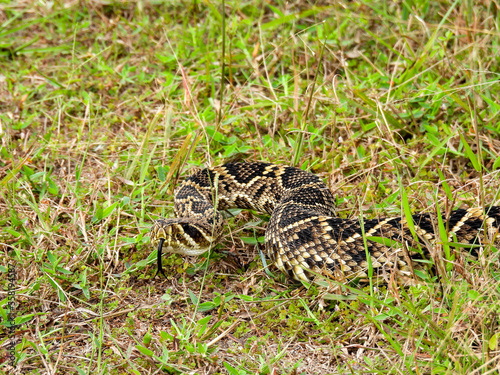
<point>106,106</point>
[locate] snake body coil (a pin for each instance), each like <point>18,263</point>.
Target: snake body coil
<point>303,237</point>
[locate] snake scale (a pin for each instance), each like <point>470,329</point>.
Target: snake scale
<point>304,237</point>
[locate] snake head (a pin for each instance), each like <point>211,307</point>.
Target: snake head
<point>180,236</point>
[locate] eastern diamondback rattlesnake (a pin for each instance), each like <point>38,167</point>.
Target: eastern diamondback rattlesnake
<point>303,237</point>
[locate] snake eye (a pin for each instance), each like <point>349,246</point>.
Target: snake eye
<point>178,236</point>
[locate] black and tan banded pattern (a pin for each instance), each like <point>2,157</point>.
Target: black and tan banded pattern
<point>303,234</point>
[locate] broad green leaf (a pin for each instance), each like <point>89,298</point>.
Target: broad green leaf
<point>109,210</point>
<point>493,342</point>
<point>145,350</point>
<point>470,154</point>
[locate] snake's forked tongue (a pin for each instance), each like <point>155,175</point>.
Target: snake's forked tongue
<point>158,259</point>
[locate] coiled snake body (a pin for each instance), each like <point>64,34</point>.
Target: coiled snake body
<point>303,237</point>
